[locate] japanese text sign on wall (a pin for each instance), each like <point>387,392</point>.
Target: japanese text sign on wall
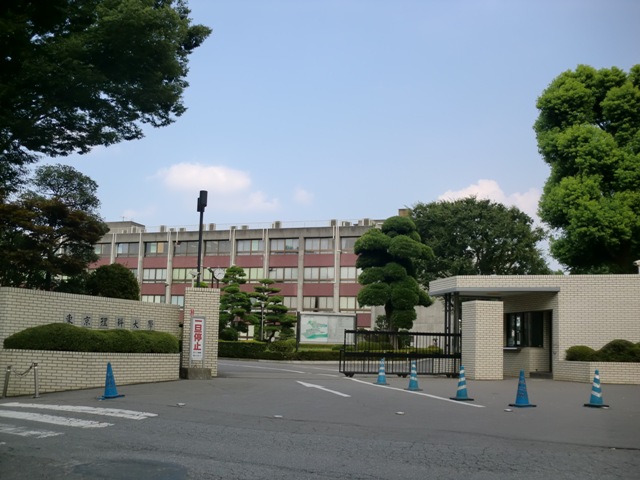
<point>197,338</point>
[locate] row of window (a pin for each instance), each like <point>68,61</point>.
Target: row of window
<point>287,274</point>
<point>277,246</point>
<point>309,304</point>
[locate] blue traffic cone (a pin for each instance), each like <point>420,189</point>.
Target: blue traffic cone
<point>596,394</point>
<point>522,399</point>
<point>461,393</point>
<point>110,390</point>
<point>413,379</point>
<point>382,377</point>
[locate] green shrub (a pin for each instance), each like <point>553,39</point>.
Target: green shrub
<point>282,346</point>
<point>617,351</point>
<point>250,349</point>
<point>580,353</point>
<point>69,338</point>
<point>229,334</point>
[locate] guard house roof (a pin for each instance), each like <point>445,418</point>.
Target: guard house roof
<point>494,285</point>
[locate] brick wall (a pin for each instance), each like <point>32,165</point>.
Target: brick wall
<point>610,372</point>
<point>202,302</point>
<point>59,371</point>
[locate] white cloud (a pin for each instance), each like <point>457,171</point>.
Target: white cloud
<point>302,196</point>
<point>228,189</point>
<point>489,189</point>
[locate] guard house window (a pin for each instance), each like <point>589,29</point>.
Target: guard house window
<point>127,249</point>
<point>217,248</point>
<point>250,247</point>
<point>524,329</point>
<point>155,249</point>
<point>318,245</point>
<point>188,249</point>
<point>284,246</point>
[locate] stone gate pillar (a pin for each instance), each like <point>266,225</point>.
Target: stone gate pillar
<point>482,337</point>
<point>201,303</point>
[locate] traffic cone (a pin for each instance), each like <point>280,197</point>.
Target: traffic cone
<point>522,399</point>
<point>382,377</point>
<point>461,393</point>
<point>596,394</point>
<point>413,379</point>
<point>110,390</point>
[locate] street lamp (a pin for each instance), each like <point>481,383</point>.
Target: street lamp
<point>261,302</point>
<point>202,203</point>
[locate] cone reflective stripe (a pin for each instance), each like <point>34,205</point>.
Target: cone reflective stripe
<point>110,389</point>
<point>382,377</point>
<point>522,398</point>
<point>461,393</point>
<point>413,378</point>
<point>596,393</point>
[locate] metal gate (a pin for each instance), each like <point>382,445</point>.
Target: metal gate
<point>433,353</point>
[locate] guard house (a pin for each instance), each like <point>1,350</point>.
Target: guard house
<point>527,322</point>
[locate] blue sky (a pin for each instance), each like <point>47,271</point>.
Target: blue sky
<point>308,110</point>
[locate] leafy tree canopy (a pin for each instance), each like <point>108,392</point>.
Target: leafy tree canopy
<point>588,131</point>
<point>49,232</point>
<point>114,281</point>
<point>478,237</point>
<point>388,259</point>
<point>76,74</point>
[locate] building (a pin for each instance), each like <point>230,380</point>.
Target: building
<point>527,322</point>
<point>314,266</point>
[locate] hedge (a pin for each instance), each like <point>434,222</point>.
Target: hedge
<point>614,351</point>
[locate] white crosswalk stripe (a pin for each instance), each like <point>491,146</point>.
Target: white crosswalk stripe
<point>60,420</point>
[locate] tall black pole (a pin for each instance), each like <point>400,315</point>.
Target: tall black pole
<point>202,203</point>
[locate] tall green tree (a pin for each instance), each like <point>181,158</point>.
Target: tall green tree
<point>478,237</point>
<point>114,281</point>
<point>49,232</point>
<point>271,315</point>
<point>235,304</point>
<point>588,132</point>
<point>388,258</point>
<point>76,74</point>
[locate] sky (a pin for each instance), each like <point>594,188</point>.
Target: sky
<point>303,111</point>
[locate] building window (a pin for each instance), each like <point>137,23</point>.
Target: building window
<point>250,247</point>
<point>217,248</point>
<point>127,249</point>
<point>155,249</point>
<point>154,275</point>
<point>347,243</point>
<point>284,246</point>
<point>284,274</point>
<point>182,275</point>
<point>153,298</point>
<point>290,302</point>
<point>318,245</point>
<point>188,249</point>
<point>318,274</point>
<point>254,274</point>
<point>349,304</point>
<point>349,273</point>
<point>177,300</point>
<point>134,271</point>
<point>524,329</point>
<point>103,249</point>
<point>317,304</point>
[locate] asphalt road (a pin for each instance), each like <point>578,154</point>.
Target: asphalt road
<point>268,420</point>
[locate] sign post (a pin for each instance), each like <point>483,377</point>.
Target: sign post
<point>197,340</point>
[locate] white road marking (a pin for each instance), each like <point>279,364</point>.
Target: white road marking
<point>328,375</point>
<point>109,412</point>
<point>319,387</point>
<point>261,368</point>
<point>68,422</point>
<point>23,432</point>
<point>466,404</point>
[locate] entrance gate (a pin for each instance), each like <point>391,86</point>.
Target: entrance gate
<point>433,353</point>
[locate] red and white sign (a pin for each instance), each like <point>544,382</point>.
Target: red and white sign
<point>197,338</point>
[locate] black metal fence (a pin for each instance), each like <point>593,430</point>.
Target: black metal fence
<point>433,353</point>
